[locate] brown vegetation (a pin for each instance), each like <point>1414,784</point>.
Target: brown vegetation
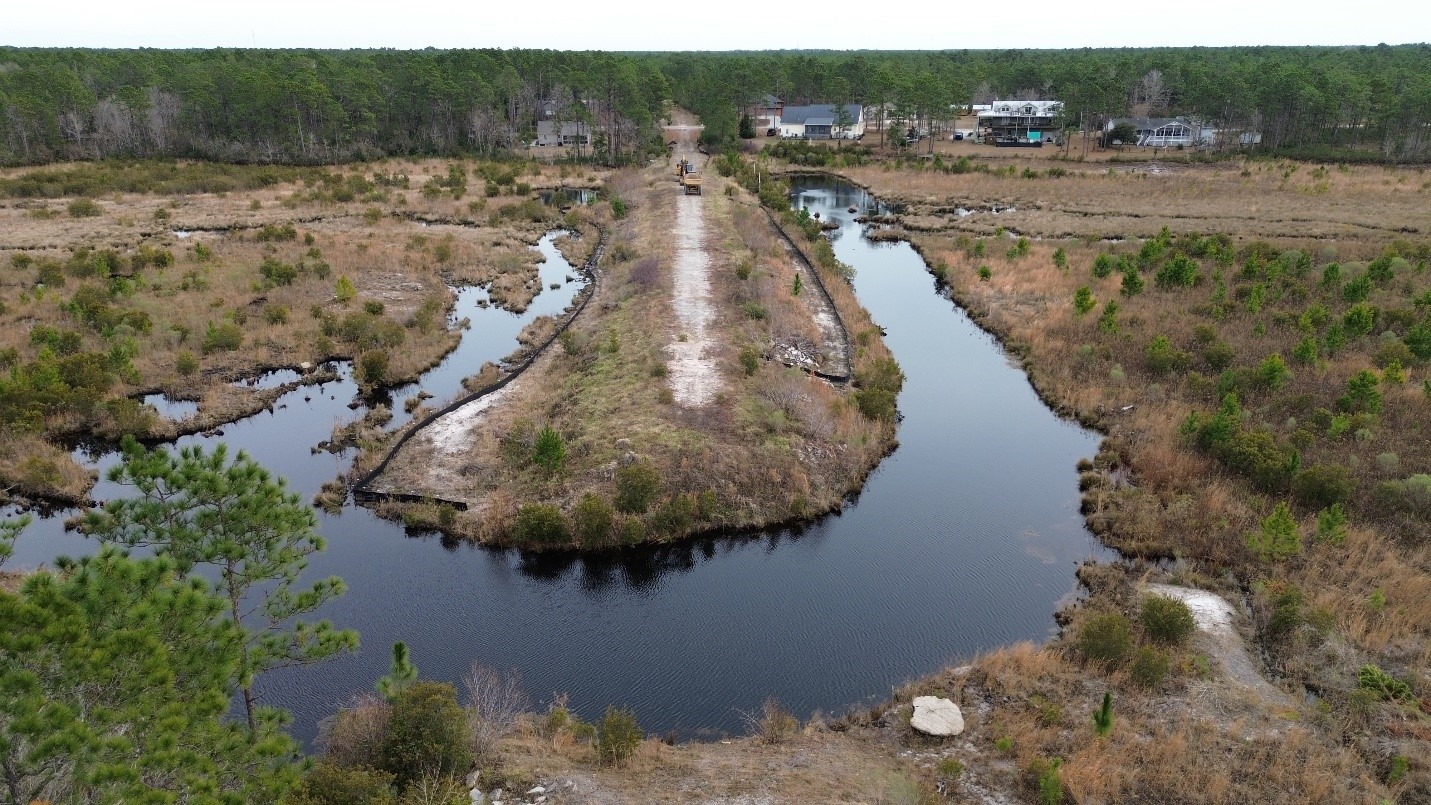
<point>776,444</point>
<point>185,292</point>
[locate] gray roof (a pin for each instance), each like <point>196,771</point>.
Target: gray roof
<point>818,111</point>
<point>569,128</point>
<point>1150,123</point>
<point>819,121</point>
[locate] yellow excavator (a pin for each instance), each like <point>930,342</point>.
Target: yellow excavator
<point>689,178</point>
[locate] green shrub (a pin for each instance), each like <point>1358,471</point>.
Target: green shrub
<point>186,363</point>
<point>749,360</point>
<point>1384,685</point>
<point>84,208</point>
<point>1278,536</point>
<point>427,734</point>
<point>328,783</point>
<point>1361,395</point>
<point>549,450</point>
<point>636,487</point>
<point>1218,355</point>
<point>1149,667</point>
<point>1083,300</point>
<point>1103,266</point>
<point>1163,358</point>
<point>540,524</point>
<point>593,519</point>
<point>1106,639</point>
<point>225,337</point>
<point>617,735</point>
<point>1323,485</point>
<point>1167,620</point>
<point>373,367</point>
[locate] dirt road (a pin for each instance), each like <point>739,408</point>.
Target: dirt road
<point>694,376</point>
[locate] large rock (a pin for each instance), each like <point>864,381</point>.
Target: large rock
<point>936,716</point>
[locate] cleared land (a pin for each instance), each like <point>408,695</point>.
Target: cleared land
<point>122,279</point>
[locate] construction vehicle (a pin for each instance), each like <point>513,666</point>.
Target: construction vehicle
<point>689,178</point>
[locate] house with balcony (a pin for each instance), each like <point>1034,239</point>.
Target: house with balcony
<point>1019,123</point>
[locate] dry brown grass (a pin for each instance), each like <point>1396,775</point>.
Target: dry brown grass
<point>774,446</point>
<point>1103,201</point>
<point>1371,591</point>
<point>381,244</point>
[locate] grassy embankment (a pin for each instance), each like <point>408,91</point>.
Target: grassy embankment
<point>1188,724</point>
<point>592,449</point>
<point>1256,349</point>
<point>101,300</point>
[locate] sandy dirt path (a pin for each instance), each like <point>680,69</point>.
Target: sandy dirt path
<point>694,376</point>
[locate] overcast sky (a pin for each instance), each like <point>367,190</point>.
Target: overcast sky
<point>729,25</point>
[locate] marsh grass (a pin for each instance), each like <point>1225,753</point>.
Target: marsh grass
<point>258,263</point>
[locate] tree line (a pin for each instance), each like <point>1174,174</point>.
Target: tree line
<point>317,106</point>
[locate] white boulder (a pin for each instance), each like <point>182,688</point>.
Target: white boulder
<point>936,716</point>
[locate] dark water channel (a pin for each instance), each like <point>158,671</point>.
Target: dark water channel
<point>964,539</point>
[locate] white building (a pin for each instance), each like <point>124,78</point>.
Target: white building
<point>821,121</point>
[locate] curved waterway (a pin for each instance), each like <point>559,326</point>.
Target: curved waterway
<point>964,539</point>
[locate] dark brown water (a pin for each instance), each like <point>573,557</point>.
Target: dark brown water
<point>964,539</point>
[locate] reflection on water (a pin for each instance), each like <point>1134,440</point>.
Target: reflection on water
<point>964,539</point>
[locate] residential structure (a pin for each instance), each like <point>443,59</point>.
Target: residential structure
<point>1165,132</point>
<point>570,133</point>
<point>821,121</point>
<point>1019,123</point>
<point>767,114</point>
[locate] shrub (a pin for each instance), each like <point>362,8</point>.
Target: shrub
<point>1162,358</point>
<point>1106,639</point>
<point>593,519</point>
<point>1167,620</point>
<point>84,208</point>
<point>1218,355</point>
<point>344,290</point>
<point>275,314</point>
<point>749,360</point>
<point>1278,536</point>
<point>1360,319</point>
<point>636,486</point>
<point>1083,300</point>
<point>1323,485</point>
<point>1412,495</point>
<point>225,337</point>
<point>373,367</point>
<point>427,734</point>
<point>1384,685</point>
<point>549,450</point>
<point>328,783</point>
<point>1103,266</point>
<point>541,524</point>
<point>1361,395</point>
<point>1149,666</point>
<point>277,272</point>
<point>617,735</point>
<point>186,364</point>
<point>1132,284</point>
<point>774,724</point>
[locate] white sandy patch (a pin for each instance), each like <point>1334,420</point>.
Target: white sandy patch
<point>1214,617</point>
<point>693,374</point>
<point>1211,612</point>
<point>450,434</point>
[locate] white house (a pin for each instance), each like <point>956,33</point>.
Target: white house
<point>821,121</point>
<point>1019,122</point>
<point>1165,132</point>
<point>571,133</point>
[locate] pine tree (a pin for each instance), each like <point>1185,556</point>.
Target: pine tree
<point>402,675</point>
<point>1103,716</point>
<point>117,675</point>
<point>202,509</point>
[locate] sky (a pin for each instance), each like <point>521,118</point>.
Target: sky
<point>728,25</point>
